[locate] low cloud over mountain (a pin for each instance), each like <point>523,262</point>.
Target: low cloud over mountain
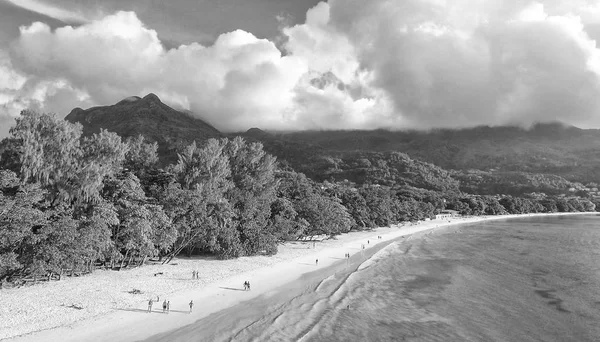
<point>352,64</point>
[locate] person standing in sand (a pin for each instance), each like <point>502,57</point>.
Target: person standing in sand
<point>150,302</point>
<point>165,306</point>
<point>317,262</point>
<point>191,305</point>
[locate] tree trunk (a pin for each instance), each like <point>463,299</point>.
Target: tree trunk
<point>143,261</point>
<point>123,260</point>
<point>129,261</point>
<point>184,244</point>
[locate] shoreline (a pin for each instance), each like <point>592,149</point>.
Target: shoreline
<point>110,313</point>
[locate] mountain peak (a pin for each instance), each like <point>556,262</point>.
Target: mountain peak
<point>148,116</point>
<point>257,133</point>
<point>129,99</point>
<point>152,97</point>
<point>255,130</point>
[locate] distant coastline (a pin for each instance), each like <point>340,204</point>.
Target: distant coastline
<point>99,306</point>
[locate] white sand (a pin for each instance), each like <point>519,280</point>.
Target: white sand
<point>43,313</point>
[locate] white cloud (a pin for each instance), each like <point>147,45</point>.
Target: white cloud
<point>238,80</point>
<point>352,64</point>
<point>463,63</point>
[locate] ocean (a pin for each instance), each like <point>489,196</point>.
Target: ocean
<point>526,279</point>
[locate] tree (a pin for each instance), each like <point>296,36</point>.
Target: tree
<point>143,228</point>
<point>196,203</point>
<point>285,223</point>
<point>354,203</point>
<point>325,216</point>
<point>141,156</point>
<point>379,205</point>
<point>71,169</point>
<point>49,150</point>
<point>20,219</point>
<point>253,192</point>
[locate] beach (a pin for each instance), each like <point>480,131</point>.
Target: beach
<point>100,306</point>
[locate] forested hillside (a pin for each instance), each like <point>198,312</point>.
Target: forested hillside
<point>566,151</point>
<point>74,196</point>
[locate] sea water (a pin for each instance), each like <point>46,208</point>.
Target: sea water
<point>526,279</point>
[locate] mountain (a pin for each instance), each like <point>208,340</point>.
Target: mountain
<point>553,148</point>
<point>549,158</point>
<point>147,116</point>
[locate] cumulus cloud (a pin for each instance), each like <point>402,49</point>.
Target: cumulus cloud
<point>352,64</point>
<point>463,63</point>
<point>238,80</point>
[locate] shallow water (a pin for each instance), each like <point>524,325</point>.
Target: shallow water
<point>532,279</point>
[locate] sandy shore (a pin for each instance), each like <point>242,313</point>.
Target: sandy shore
<point>47,312</point>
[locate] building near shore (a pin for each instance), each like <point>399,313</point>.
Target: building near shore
<point>446,214</point>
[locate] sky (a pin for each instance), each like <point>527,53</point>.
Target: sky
<point>305,64</point>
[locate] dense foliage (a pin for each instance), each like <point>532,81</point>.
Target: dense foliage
<point>550,148</point>
<point>69,200</point>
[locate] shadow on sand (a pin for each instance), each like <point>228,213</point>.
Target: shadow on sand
<point>306,263</point>
<point>231,288</point>
<point>157,311</point>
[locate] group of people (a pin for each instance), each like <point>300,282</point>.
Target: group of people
<point>347,255</point>
<point>246,285</point>
<point>195,275</point>
<point>166,305</point>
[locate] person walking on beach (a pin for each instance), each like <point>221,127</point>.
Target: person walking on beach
<point>191,305</point>
<point>150,302</point>
<point>193,274</point>
<point>168,306</point>
<point>317,262</point>
<point>248,283</point>
<point>165,306</point>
